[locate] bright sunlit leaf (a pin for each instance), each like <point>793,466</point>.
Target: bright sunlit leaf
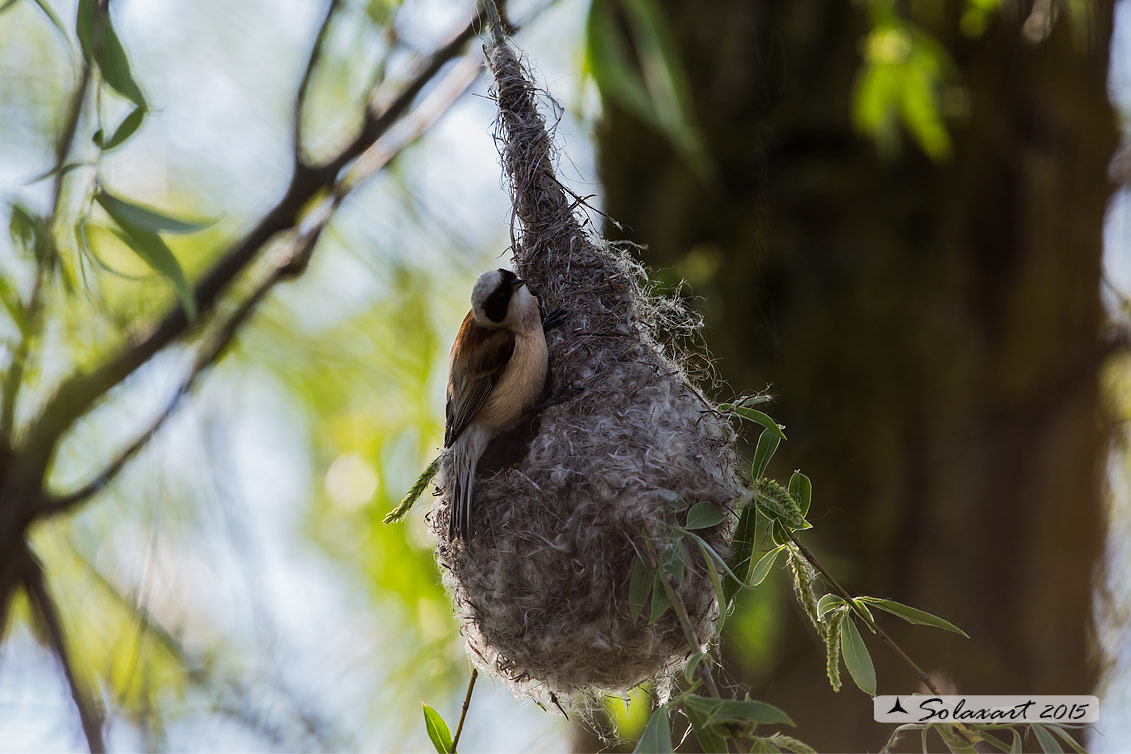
<point>438,731</point>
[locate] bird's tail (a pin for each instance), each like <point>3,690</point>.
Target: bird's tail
<point>465,459</point>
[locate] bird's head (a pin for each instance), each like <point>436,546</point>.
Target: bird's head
<point>501,299</point>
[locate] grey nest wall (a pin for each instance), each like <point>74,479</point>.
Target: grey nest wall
<point>542,587</point>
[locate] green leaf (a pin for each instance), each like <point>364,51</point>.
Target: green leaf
<point>611,65</point>
<point>913,615</point>
<point>639,585</point>
<point>414,492</point>
<point>736,711</point>
<point>704,516</point>
<point>716,580</point>
<point>1016,747</point>
<point>991,739</point>
<point>11,300</point>
<point>667,82</point>
<point>857,659</point>
<point>864,609</point>
<point>60,169</point>
<point>789,743</point>
<point>692,663</point>
<point>660,601</point>
<point>671,572</point>
<point>742,549</point>
<point>1068,739</point>
<point>777,533</point>
<point>827,603</point>
<point>100,44</point>
<point>954,741</point>
<point>1049,744</point>
<point>437,730</point>
<point>763,746</point>
<point>801,490</point>
<point>25,227</point>
<point>126,128</point>
<point>767,445</point>
<point>146,218</point>
<point>657,736</point>
<point>157,255</point>
<point>656,90</point>
<point>710,740</point>
<point>762,418</point>
<point>762,568</point>
<point>8,5</point>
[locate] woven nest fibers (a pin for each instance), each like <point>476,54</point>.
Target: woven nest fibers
<point>564,504</point>
<point>542,586</point>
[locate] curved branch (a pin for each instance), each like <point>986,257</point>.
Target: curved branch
<point>78,393</point>
<point>13,381</point>
<point>421,119</point>
<point>45,606</point>
<point>304,85</point>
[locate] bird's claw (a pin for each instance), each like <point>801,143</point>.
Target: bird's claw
<point>553,319</point>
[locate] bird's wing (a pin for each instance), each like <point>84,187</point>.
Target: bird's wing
<point>484,354</point>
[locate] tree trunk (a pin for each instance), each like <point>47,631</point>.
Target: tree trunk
<point>932,332</point>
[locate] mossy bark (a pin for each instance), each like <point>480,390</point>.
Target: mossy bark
<point>933,332</point>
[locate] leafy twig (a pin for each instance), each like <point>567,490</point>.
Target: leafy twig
<point>872,626</point>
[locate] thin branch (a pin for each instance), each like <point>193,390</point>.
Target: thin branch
<point>463,709</point>
<point>80,391</point>
<point>421,119</point>
<point>872,626</point>
<point>13,381</point>
<point>307,75</point>
<point>45,606</point>
<point>205,359</point>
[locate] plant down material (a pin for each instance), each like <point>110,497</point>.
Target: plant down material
<point>624,446</point>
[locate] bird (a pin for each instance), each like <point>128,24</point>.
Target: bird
<point>496,371</point>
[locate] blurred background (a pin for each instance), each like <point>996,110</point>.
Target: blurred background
<point>907,218</point>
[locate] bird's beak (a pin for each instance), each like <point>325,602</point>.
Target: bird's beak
<point>517,283</point>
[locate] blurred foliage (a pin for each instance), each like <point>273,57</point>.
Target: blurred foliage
<point>901,82</point>
<point>244,548</point>
<point>646,77</point>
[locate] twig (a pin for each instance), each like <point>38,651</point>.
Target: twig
<point>307,75</point>
<point>205,358</point>
<point>463,710</point>
<point>41,600</point>
<point>13,381</point>
<point>873,627</point>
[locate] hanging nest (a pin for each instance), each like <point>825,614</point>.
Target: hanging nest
<point>625,443</point>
